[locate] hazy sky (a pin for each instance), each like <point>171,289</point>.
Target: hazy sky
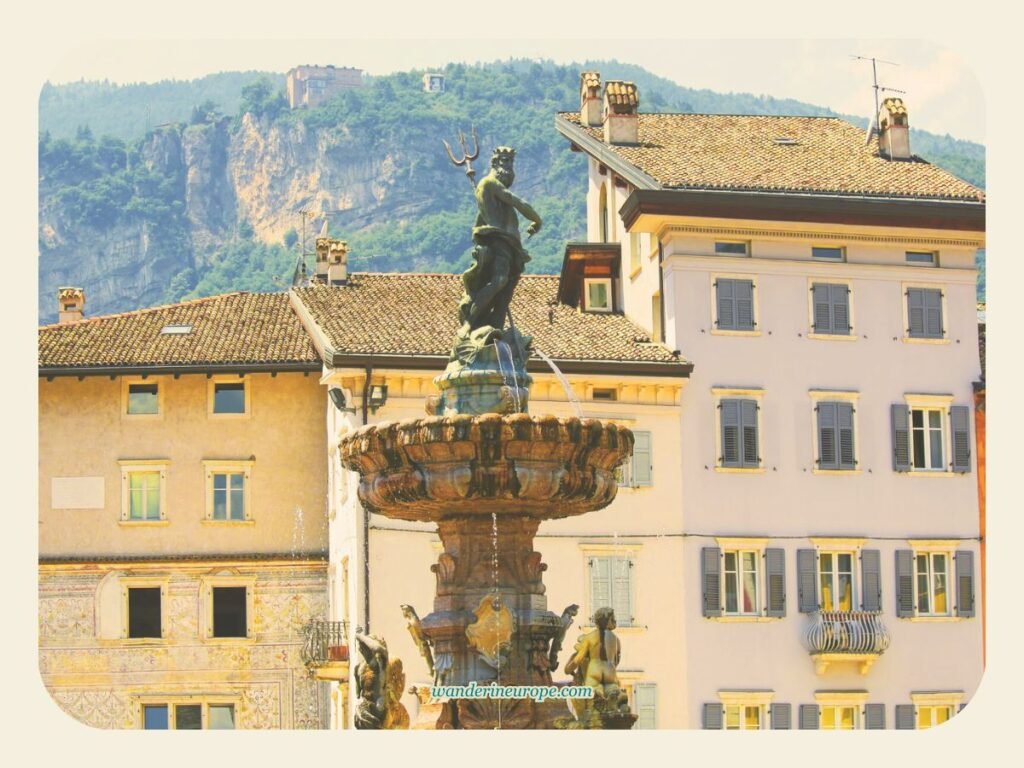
<point>942,92</point>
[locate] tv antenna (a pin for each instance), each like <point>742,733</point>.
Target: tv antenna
<point>877,88</point>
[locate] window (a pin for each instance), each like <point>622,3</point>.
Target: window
<point>605,394</point>
<point>187,716</point>
<point>839,717</point>
<point>734,304</point>
<point>738,428</point>
<point>842,711</point>
<point>927,258</point>
<point>921,431</point>
<point>228,606</point>
<point>611,585</point>
<point>739,711</point>
<point>635,262</point>
<point>931,574</point>
<point>143,492</point>
<point>931,715</point>
<point>744,717</point>
<point>924,313</point>
<point>827,576</point>
<point>836,581</point>
<point>602,215</point>
<point>639,470</point>
<point>229,397</point>
<point>144,612</point>
<point>141,397</point>
<point>935,580</point>
<point>836,448</point>
<point>830,309</point>
<point>928,710</point>
<point>732,248</point>
<point>227,490</point>
<point>828,253</point>
<point>744,579</point>
<point>597,294</point>
<point>229,612</point>
<point>657,329</point>
<point>645,704</point>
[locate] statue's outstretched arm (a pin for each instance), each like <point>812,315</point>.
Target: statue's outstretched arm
<point>522,206</point>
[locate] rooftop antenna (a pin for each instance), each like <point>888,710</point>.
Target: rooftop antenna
<point>873,122</point>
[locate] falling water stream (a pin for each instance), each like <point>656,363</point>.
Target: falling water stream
<point>494,577</point>
<point>563,381</point>
<point>504,354</point>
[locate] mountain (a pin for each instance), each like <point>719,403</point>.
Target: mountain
<point>211,198</point>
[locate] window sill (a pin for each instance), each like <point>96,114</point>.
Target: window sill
<point>931,473</point>
<point>934,619</point>
<point>227,523</point>
<point>140,641</point>
<point>230,640</point>
<point>837,471</point>
<point>143,523</point>
<point>833,336</point>
<point>142,416</point>
<point>917,340</point>
<point>729,619</point>
<point>229,416</point>
<point>721,332</point>
<point>740,470</point>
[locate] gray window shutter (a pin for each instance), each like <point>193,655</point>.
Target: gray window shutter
<point>775,575</point>
<point>646,705</point>
<point>622,590</point>
<point>806,578</point>
<point>933,313</point>
<point>870,580</point>
<point>905,717</point>
<point>712,719</point>
<point>840,309</point>
<point>642,459</point>
<point>959,416</point>
<point>846,452</point>
<point>600,583</point>
<point>904,583</point>
<point>900,437</point>
<point>822,308</point>
<point>965,584</point>
<point>782,717</point>
<point>744,292</point>
<point>730,418</point>
<point>827,450</point>
<point>726,303</point>
<point>711,579</point>
<point>915,312</point>
<point>809,716</point>
<point>874,717</point>
<point>748,422</point>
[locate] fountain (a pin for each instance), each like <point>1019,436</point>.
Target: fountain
<point>487,473</point>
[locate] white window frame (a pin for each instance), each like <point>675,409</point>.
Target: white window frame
<point>739,700</point>
<point>587,306</point>
<point>950,580</point>
<point>229,467</point>
<point>130,467</point>
<point>738,393</point>
<point>212,383</point>
<point>206,587</point>
<point>755,304</point>
<point>827,280</point>
<point>144,582</point>
<point>140,702</point>
<point>841,700</point>
<point>630,552</point>
<point>839,546</point>
<point>933,263</point>
<point>942,404</point>
<point>727,544</point>
<point>126,384</point>
<point>831,396</point>
<point>905,300</point>
<point>747,249</point>
<point>635,255</point>
<point>933,700</point>
<point>827,260</point>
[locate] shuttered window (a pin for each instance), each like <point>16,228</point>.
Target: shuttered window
<point>782,717</point>
<point>964,584</point>
<point>711,581</point>
<point>638,472</point>
<point>806,573</point>
<point>735,304</point>
<point>809,717</point>
<point>874,717</point>
<point>959,417</point>
<point>831,308</point>
<point>924,313</point>
<point>836,448</point>
<point>739,433</point>
<point>871,580</point>
<point>646,700</point>
<point>711,716</point>
<point>611,586</point>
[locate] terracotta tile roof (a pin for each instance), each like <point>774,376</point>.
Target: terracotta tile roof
<point>234,328</point>
<point>741,152</point>
<point>622,96</point>
<point>402,314</point>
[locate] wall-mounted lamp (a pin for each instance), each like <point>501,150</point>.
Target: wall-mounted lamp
<point>338,398</point>
<point>378,396</point>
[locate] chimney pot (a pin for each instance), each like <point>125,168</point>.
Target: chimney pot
<point>621,105</point>
<point>590,99</point>
<point>894,130</point>
<point>337,262</point>
<point>70,305</point>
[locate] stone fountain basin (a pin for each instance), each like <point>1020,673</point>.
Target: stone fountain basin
<point>435,468</point>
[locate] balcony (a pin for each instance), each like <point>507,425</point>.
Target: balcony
<point>846,636</point>
<point>325,649</point>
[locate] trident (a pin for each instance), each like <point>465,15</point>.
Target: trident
<point>467,156</point>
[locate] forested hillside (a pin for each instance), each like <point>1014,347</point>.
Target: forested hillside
<point>154,193</point>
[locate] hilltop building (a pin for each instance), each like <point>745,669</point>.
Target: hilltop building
<point>824,289</point>
<point>312,85</point>
<point>433,82</point>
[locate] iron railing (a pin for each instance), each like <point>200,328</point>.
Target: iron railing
<point>860,632</point>
<point>324,642</point>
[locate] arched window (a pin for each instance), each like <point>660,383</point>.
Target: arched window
<point>603,214</point>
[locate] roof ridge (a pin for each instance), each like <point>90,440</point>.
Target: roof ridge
<point>145,310</point>
<point>729,114</point>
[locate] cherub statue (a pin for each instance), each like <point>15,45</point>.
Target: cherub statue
<point>415,628</point>
<point>594,661</point>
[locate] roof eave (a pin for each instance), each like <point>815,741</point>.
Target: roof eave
<point>605,155</point>
<point>299,366</point>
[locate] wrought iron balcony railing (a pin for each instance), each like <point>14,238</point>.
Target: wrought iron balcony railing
<point>324,642</point>
<point>846,636</point>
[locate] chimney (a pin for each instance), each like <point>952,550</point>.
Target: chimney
<point>70,305</point>
<point>337,262</point>
<point>323,245</point>
<point>621,122</point>
<point>894,130</point>
<point>590,99</point>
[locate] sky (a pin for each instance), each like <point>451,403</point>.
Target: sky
<point>942,91</point>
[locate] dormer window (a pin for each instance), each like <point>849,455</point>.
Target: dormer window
<point>597,294</point>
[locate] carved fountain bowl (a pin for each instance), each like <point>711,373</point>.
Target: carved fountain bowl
<point>439,467</point>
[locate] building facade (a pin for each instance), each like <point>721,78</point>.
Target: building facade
<point>824,289</point>
<point>312,85</point>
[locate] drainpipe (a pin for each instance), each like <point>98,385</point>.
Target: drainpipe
<point>366,513</point>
